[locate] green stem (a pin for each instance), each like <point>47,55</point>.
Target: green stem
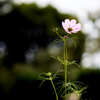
<point>65,49</point>
<point>65,75</point>
<point>65,61</point>
<point>54,88</point>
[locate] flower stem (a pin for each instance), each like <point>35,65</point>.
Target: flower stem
<point>65,61</point>
<point>54,88</point>
<point>65,49</point>
<point>65,75</point>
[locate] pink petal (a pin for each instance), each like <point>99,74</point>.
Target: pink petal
<point>72,23</point>
<point>74,31</point>
<point>67,22</point>
<point>70,32</point>
<point>77,27</point>
<point>65,26</point>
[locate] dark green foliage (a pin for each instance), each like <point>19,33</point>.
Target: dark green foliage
<point>91,77</point>
<point>29,25</point>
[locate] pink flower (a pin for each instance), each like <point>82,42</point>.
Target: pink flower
<point>71,26</point>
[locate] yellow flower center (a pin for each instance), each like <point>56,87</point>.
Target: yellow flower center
<point>69,29</point>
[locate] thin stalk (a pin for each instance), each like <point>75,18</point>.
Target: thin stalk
<point>65,52</point>
<point>65,61</point>
<point>54,89</point>
<point>65,75</point>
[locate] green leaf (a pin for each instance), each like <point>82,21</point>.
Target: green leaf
<point>59,59</point>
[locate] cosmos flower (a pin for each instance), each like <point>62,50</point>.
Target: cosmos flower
<point>71,26</point>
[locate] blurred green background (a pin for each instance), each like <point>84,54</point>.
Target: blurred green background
<point>27,43</point>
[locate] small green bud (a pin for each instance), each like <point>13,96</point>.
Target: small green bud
<point>49,74</point>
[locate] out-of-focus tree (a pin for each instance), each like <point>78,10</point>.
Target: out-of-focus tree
<point>28,32</point>
<point>5,7</point>
<point>29,25</point>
